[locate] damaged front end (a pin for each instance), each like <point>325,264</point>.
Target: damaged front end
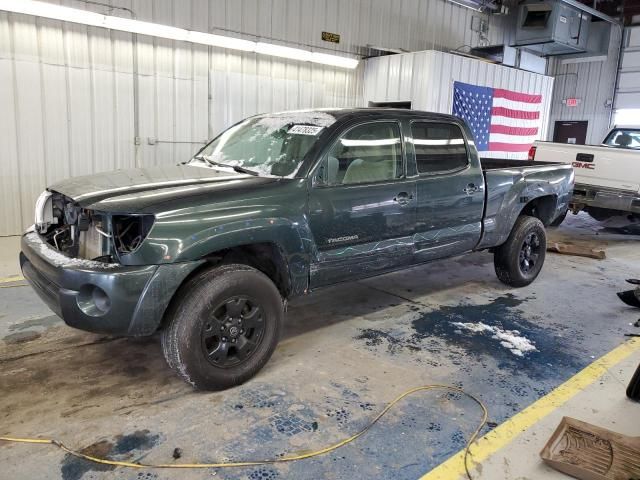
<point>83,233</point>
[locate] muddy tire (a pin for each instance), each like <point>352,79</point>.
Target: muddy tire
<point>519,260</point>
<point>223,327</point>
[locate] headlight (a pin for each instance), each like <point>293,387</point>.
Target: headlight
<point>129,231</point>
<point>44,212</point>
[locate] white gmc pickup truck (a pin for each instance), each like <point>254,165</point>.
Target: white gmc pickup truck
<point>607,176</point>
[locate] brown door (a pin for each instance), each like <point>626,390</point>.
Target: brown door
<point>570,132</point>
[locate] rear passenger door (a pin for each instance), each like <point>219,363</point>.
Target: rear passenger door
<point>361,205</point>
<point>450,190</point>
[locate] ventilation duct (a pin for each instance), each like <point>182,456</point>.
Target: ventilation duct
<point>552,27</point>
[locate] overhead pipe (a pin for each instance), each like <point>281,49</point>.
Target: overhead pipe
<point>476,6</point>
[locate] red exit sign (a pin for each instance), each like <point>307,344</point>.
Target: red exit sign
<point>572,102</point>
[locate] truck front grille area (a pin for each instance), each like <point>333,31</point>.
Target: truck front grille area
<point>88,234</point>
<point>73,230</point>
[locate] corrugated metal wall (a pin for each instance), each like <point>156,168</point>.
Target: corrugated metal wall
<point>628,89</point>
<point>71,94</point>
<point>592,83</point>
<point>426,79</point>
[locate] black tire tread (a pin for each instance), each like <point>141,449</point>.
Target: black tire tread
<point>506,255</point>
<point>182,306</point>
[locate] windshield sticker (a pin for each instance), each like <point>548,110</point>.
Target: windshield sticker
<point>304,130</point>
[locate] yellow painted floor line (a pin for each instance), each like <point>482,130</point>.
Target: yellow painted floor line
<point>453,468</point>
<point>13,278</point>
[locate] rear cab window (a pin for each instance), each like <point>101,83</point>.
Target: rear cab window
<point>439,147</point>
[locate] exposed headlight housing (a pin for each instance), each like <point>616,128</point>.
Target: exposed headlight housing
<point>129,231</point>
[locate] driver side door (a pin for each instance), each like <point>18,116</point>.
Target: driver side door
<point>362,207</point>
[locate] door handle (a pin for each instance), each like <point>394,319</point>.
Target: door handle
<point>471,188</point>
<point>403,198</point>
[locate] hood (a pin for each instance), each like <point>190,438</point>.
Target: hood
<point>138,189</point>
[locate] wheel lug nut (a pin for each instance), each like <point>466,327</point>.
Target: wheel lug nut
<point>242,330</point>
<point>222,328</point>
<point>233,340</point>
<point>224,339</point>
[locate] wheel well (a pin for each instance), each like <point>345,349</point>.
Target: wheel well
<point>542,208</point>
<point>266,257</point>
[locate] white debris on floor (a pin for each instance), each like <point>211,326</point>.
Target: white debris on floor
<point>511,339</point>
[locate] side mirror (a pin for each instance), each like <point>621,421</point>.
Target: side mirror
<point>320,176</point>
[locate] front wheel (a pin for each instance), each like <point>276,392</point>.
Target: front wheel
<point>223,327</point>
<point>519,260</point>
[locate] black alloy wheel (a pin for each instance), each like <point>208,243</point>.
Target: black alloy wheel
<point>233,331</point>
<point>222,326</point>
<point>529,253</point>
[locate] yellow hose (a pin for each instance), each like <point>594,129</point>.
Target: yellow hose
<point>252,463</point>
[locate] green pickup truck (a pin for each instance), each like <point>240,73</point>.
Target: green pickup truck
<point>209,251</point>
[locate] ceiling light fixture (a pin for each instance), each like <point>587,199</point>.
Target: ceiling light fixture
<point>75,15</point>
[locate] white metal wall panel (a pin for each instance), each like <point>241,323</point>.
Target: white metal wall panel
<point>590,82</point>
<point>426,79</point>
<point>628,89</point>
<point>68,91</point>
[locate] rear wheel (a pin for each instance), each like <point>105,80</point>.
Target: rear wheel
<point>223,327</point>
<point>519,260</point>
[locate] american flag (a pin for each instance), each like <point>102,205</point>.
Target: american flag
<point>504,123</point>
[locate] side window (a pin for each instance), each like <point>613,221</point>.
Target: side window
<point>440,147</point>
<point>367,153</point>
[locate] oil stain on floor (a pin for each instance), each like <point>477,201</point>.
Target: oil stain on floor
<point>497,330</point>
<point>122,447</point>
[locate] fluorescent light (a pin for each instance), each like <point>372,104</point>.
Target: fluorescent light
<point>146,28</point>
<point>284,52</point>
<point>84,17</point>
<point>56,12</point>
<point>335,60</point>
<point>221,41</point>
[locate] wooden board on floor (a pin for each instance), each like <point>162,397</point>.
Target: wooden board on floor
<point>576,250</point>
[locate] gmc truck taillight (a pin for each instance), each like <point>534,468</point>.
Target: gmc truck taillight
<point>532,153</point>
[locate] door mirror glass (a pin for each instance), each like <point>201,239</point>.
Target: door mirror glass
<point>320,177</point>
<point>367,153</point>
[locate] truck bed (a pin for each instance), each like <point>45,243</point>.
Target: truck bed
<point>510,184</point>
<point>502,163</point>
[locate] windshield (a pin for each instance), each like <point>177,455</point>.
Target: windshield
<point>273,144</point>
<point>624,138</point>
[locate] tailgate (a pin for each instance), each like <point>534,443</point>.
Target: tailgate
<point>606,167</point>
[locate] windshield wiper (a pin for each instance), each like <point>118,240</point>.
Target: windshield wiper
<point>236,168</point>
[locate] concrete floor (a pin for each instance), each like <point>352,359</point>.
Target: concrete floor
<point>346,352</point>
